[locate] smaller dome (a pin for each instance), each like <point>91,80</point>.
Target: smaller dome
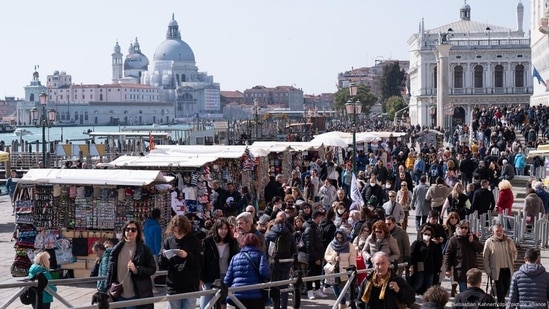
<point>117,48</point>
<point>136,61</point>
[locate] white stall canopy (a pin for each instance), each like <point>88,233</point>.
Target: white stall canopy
<point>190,156</point>
<point>104,177</point>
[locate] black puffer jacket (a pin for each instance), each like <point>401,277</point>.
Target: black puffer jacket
<point>312,238</point>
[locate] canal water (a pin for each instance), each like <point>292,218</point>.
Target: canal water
<point>76,135</point>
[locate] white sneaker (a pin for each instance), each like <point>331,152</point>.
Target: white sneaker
<point>311,294</point>
<point>319,294</point>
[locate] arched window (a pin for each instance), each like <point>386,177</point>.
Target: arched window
<point>435,77</point>
<point>31,97</point>
<point>458,77</point>
<point>519,76</point>
<point>498,76</point>
<point>478,78</point>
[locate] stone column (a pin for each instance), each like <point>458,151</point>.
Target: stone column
<point>443,73</point>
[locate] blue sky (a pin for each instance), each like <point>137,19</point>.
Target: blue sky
<point>242,43</point>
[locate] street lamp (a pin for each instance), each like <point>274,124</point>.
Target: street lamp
<point>256,118</point>
<point>354,109</point>
<point>45,120</point>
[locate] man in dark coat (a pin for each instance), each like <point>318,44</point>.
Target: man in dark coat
<point>474,295</point>
<point>274,188</point>
<point>383,289</point>
<point>312,239</point>
<point>483,199</point>
<point>530,284</point>
<point>461,254</point>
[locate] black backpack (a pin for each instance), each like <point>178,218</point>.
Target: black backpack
<point>283,246</point>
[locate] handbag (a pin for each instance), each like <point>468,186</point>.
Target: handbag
<point>116,288</point>
<point>80,246</point>
<point>302,258</point>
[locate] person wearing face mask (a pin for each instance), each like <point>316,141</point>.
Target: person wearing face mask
<point>425,261</point>
<point>385,191</point>
<point>499,256</point>
<point>372,189</point>
<point>461,254</point>
<point>356,221</point>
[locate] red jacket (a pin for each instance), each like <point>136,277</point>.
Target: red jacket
<point>505,201</point>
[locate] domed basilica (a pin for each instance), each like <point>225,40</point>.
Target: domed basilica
<point>174,71</point>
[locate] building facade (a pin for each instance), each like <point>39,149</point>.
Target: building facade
<point>486,65</point>
<point>174,72</point>
<point>165,91</point>
<point>540,51</point>
<point>286,97</point>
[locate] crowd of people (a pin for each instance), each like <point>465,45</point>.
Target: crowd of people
<point>314,216</point>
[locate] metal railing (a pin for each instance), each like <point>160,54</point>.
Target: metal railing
<point>219,291</point>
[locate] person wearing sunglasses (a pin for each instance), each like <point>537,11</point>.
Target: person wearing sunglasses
<point>132,265</point>
<point>461,254</point>
<point>380,240</point>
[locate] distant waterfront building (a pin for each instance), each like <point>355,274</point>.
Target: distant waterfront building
<point>285,97</point>
<point>369,76</point>
<point>489,65</point>
<point>164,91</point>
<point>539,32</point>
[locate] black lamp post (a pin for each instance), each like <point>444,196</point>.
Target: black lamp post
<point>44,120</point>
<point>353,109</point>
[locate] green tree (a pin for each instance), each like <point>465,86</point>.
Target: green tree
<point>394,104</point>
<point>392,82</point>
<point>363,94</point>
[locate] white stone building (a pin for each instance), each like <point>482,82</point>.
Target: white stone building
<point>487,65</point>
<point>540,50</point>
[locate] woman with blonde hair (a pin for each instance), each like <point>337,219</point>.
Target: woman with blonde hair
<point>505,197</point>
<point>457,201</point>
<point>42,266</point>
<point>404,197</point>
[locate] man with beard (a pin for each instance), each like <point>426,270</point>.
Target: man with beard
<point>482,170</point>
<point>372,189</point>
<point>483,199</point>
<point>381,172</point>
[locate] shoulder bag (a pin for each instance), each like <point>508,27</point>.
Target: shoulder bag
<point>265,292</point>
<point>116,288</point>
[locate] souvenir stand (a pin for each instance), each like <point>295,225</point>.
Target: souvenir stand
<point>64,211</point>
<point>280,158</point>
<point>195,168</point>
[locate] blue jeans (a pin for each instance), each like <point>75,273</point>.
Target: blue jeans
<point>122,298</point>
<point>462,286</point>
<point>204,300</point>
<point>421,282</point>
<point>281,271</point>
<point>337,290</point>
<point>187,303</point>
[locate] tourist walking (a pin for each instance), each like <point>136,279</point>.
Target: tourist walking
<point>499,256</point>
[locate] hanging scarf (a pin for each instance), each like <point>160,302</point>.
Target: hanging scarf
<point>378,282</point>
<point>340,247</point>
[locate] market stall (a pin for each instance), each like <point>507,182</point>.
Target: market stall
<point>64,211</point>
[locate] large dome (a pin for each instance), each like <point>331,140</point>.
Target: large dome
<point>174,50</point>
